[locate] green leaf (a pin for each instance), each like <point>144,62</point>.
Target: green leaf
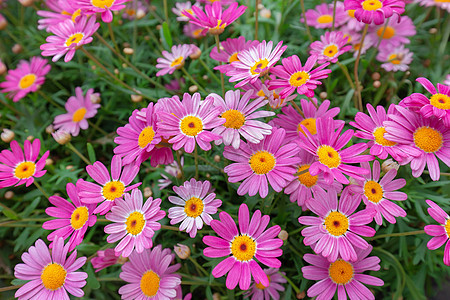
<point>91,153</point>
<point>92,281</point>
<point>8,212</point>
<point>166,36</point>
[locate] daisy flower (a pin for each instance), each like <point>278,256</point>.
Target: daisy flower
<point>181,6</point>
<point>369,41</point>
<point>213,19</point>
<point>371,128</point>
<point>242,247</point>
<point>135,10</point>
<point>255,62</point>
<point>330,47</point>
<point>188,121</point>
<point>437,105</point>
<point>437,3</point>
<point>105,7</point>
<point>395,59</point>
<point>422,138</point>
<point>17,168</point>
<point>258,291</point>
<point>398,31</point>
<point>79,109</point>
<point>375,11</point>
<point>73,218</point>
<point>337,229</point>
<point>446,81</point>
<point>240,116</point>
<point>174,60</point>
<point>342,275</point>
<point>229,52</point>
<point>322,16</point>
<point>293,76</point>
<point>193,31</point>
<point>150,276</point>
<point>60,11</point>
<point>258,163</point>
<point>195,205</point>
<point>440,233</point>
<point>352,24</point>
<point>139,137</point>
<point>327,146</point>
<point>50,276</point>
<point>376,193</point>
<point>69,37</point>
<point>104,259</point>
<point>134,224</point>
<point>28,77</point>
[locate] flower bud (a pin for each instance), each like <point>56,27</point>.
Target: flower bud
<point>205,77</point>
<point>3,22</point>
<point>217,158</point>
<point>128,51</point>
<point>376,84</point>
<point>95,98</point>
<point>50,129</point>
<point>216,296</point>
<point>121,260</point>
<point>7,135</point>
<point>301,295</point>
<point>323,95</point>
<point>30,138</point>
<point>116,71</point>
<point>265,13</point>
<point>283,235</point>
<point>433,30</point>
<point>140,14</point>
<point>62,137</point>
<point>9,195</point>
<point>3,68</point>
<point>193,88</point>
<point>389,164</point>
<point>26,3</point>
<point>49,162</point>
<point>136,98</point>
<point>195,52</point>
<point>16,49</point>
<point>147,192</point>
<point>376,76</point>
<point>182,251</point>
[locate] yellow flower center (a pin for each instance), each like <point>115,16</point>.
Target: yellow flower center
<point>235,119</point>
<point>79,217</point>
<point>328,156</point>
<point>428,139</point>
<point>243,248</point>
<point>336,223</point>
<point>299,78</point>
<point>259,66</point>
<point>193,207</point>
<point>330,50</point>
<point>261,93</point>
<point>371,5</point>
<point>78,115</point>
<point>197,32</point>
<point>53,276</point>
<point>393,59</point>
<point>351,12</point>
<point>27,81</point>
<point>262,162</point>
<point>378,134</point>
<point>373,191</point>
<point>341,272</point>
<point>150,283</point>
<point>447,227</point>
<point>129,11</point>
<point>102,3</point>
<point>191,125</point>
<point>25,170</point>
<point>306,178</point>
<point>190,11</point>
<point>135,223</point>
<point>233,58</point>
<point>260,286</point>
<point>323,19</point>
<point>219,28</point>
<point>356,46</point>
<point>440,101</point>
<point>388,33</point>
<point>74,16</point>
<point>113,190</point>
<point>74,39</point>
<point>442,1</point>
<point>146,136</point>
<point>310,124</point>
<point>178,63</point>
<point>348,36</point>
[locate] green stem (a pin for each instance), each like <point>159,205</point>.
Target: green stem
<point>8,223</point>
<point>222,81</point>
<point>113,38</point>
<point>83,158</point>
<point>50,100</point>
<point>298,108</point>
<point>10,288</point>
<point>98,128</point>
<point>256,18</point>
<point>208,69</point>
<point>180,165</point>
<point>166,12</point>
<point>296,289</point>
<point>334,15</point>
<point>346,73</point>
<point>11,107</point>
<point>357,84</point>
<point>308,32</point>
<point>198,266</point>
<point>40,188</point>
<point>397,234</point>
<point>196,161</point>
<point>193,81</point>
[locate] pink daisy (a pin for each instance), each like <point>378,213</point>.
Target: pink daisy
<point>240,116</point>
<point>134,224</point>
<point>258,291</point>
<point>28,77</point>
<point>262,90</point>
<point>395,59</point>
<point>79,109</point>
<point>193,31</point>
<point>322,16</point>
<point>73,219</point>
<point>181,6</point>
<point>352,24</point>
<point>213,19</point>
<point>440,233</point>
<point>135,9</point>
<point>375,11</point>
<point>104,259</point>
<point>188,121</point>
<point>443,4</point>
<point>422,139</point>
<point>337,229</point>
<point>255,62</point>
<point>50,276</point>
<point>195,203</point>
<point>105,7</point>
<point>293,76</point>
<point>437,105</point>
<point>60,11</point>
<point>330,47</point>
<point>69,37</point>
<point>398,32</point>
<point>107,189</point>
<point>174,60</point>
<point>258,163</point>
<point>242,247</point>
<point>17,168</point>
<point>446,82</point>
<point>174,170</point>
<point>150,275</point>
<point>342,275</point>
<point>376,193</point>
<point>327,146</point>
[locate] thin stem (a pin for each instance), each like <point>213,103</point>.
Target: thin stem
<point>193,80</point>
<point>113,38</point>
<point>208,69</point>
<point>166,12</point>
<point>397,234</point>
<point>308,32</point>
<point>296,289</point>
<point>173,228</point>
<point>83,158</point>
<point>298,108</point>
<point>302,172</point>
<point>334,15</point>
<point>41,189</point>
<point>442,173</point>
<point>357,85</point>
<point>256,18</point>
<point>196,161</point>
<point>209,163</point>
<point>10,288</point>
<point>98,128</point>
<point>346,73</point>
<point>180,165</point>
<point>222,81</point>
<point>4,224</point>
<point>198,266</point>
<point>11,107</point>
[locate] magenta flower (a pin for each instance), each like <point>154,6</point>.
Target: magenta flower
<point>174,60</point>
<point>195,203</point>
<point>322,16</point>
<point>73,219</point>
<point>395,59</point>
<point>443,4</point>
<point>258,291</point>
<point>398,32</point>
<point>293,76</point>
<point>60,11</point>
<point>437,105</point>
<point>69,37</point>
<point>181,6</point>
<point>258,163</point>
<point>440,233</point>
<point>51,276</point>
<point>330,47</point>
<point>242,247</point>
<point>375,11</point>
<point>134,224</point>
<point>337,229</point>
<point>17,168</point>
<point>150,276</point>
<point>344,276</point>
<point>28,77</point>
<point>104,259</point>
<point>105,7</point>
<point>230,51</point>
<point>79,109</point>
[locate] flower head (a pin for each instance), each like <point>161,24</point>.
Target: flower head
<point>374,11</point>
<point>230,51</point>
<point>105,7</point>
<point>440,233</point>
<point>330,47</point>
<point>184,6</point>
<point>104,259</point>
<point>395,59</point>
<point>60,11</point>
<point>174,60</point>
<point>395,33</point>
<point>258,291</point>
<point>322,15</point>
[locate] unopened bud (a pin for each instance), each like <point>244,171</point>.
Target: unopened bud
<point>140,14</point>
<point>432,30</point>
<point>121,260</point>
<point>265,13</point>
<point>147,38</point>
<point>301,295</point>
<point>62,137</point>
<point>128,51</point>
<point>16,49</point>
<point>50,129</point>
<point>136,98</point>
<point>93,67</point>
<point>389,164</point>
<point>217,158</point>
<point>376,84</point>
<point>207,175</point>
<point>193,88</point>
<point>95,98</point>
<point>116,71</point>
<point>205,77</point>
<point>283,235</point>
<point>158,27</point>
<point>30,138</point>
<point>9,195</point>
<point>3,68</point>
<point>216,296</point>
<point>195,52</point>
<point>260,5</point>
<point>323,95</point>
<point>126,45</point>
<point>49,162</point>
<point>376,76</point>
<point>148,192</point>
<point>69,167</point>
<point>3,22</point>
<point>7,135</point>
<point>182,251</point>
<point>26,2</point>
